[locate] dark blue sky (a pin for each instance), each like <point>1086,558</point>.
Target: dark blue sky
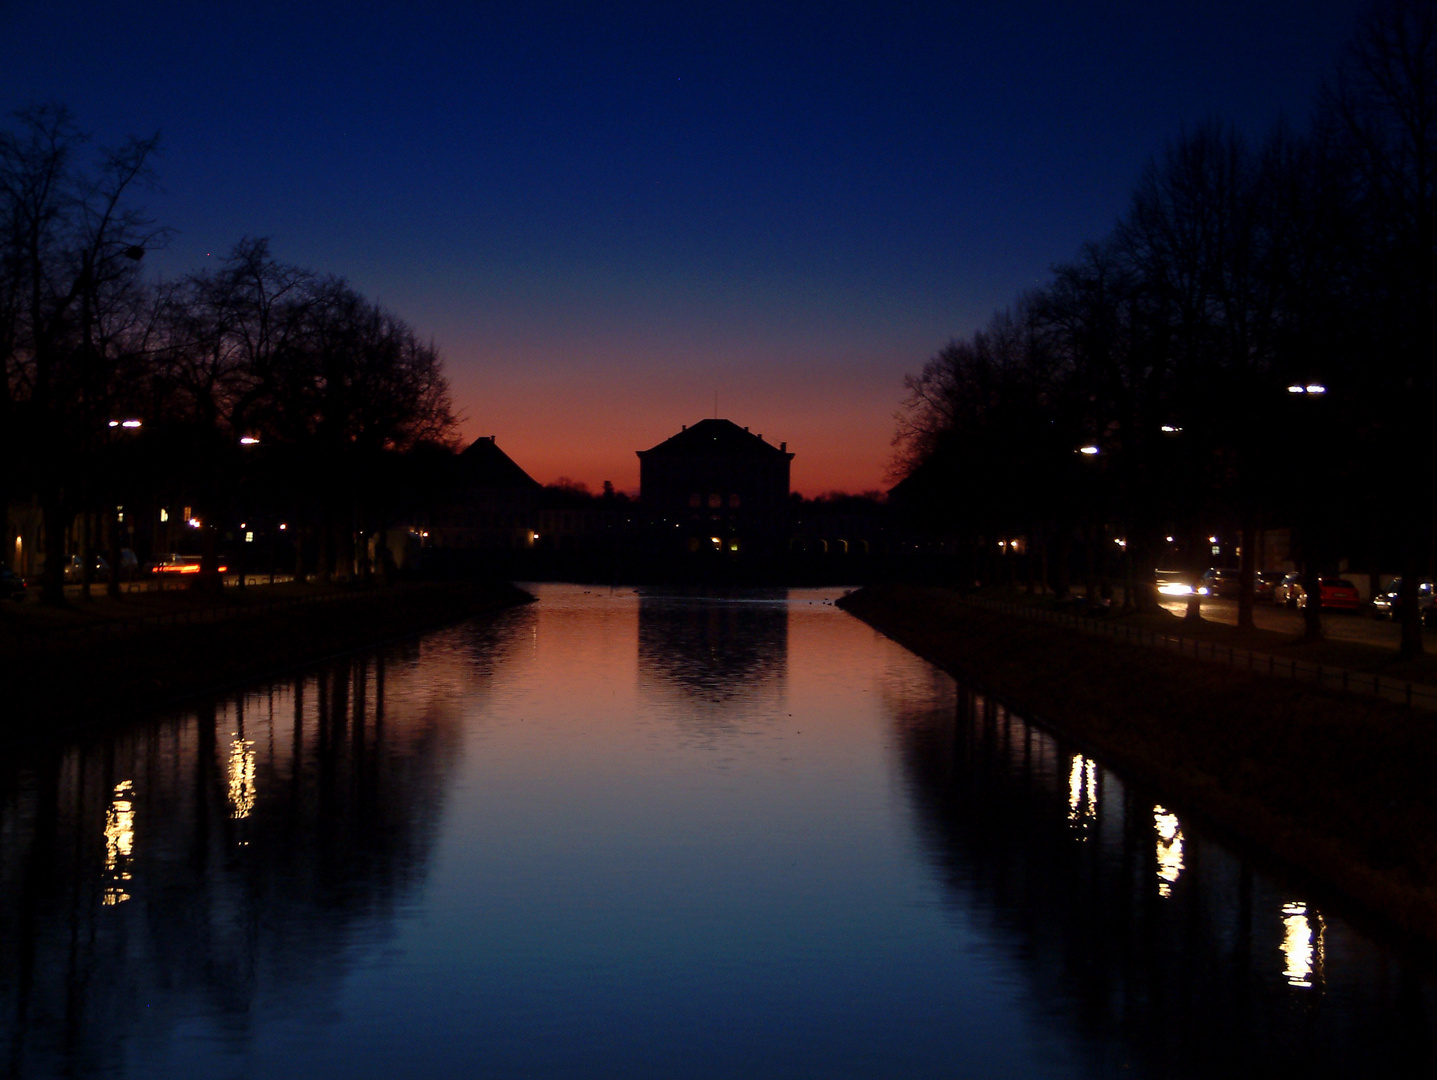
<point>605,214</point>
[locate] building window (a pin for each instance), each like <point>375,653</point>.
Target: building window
<point>733,500</point>
<point>715,501</point>
<point>696,499</point>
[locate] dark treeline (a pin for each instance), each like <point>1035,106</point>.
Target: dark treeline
<point>259,388</point>
<point>1250,348</point>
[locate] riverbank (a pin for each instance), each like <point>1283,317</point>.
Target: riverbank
<point>1335,786</point>
<point>103,660</point>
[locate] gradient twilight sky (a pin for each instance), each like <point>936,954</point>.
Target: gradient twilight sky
<point>605,214</point>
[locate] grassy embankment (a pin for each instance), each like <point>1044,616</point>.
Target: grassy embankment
<point>102,659</point>
<point>1340,787</point>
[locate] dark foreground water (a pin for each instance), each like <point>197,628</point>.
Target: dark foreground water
<point>620,834</point>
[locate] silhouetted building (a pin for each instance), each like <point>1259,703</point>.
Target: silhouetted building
<point>491,504</point>
<point>715,487</point>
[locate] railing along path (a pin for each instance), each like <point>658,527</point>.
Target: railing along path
<point>1412,695</point>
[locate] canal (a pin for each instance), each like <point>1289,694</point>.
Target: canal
<point>630,833</point>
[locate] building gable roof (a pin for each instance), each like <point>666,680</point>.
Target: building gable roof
<point>484,465</point>
<point>716,438</point>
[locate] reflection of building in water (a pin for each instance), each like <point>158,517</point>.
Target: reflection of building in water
<point>1083,793</point>
<point>1170,850</point>
<point>119,844</point>
<point>1301,945</point>
<point>715,649</point>
<point>1059,859</point>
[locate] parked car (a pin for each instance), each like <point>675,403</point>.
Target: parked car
<point>1287,590</point>
<point>1387,605</point>
<point>12,585</point>
<point>1222,582</point>
<point>1265,584</point>
<point>1334,594</point>
<point>99,568</point>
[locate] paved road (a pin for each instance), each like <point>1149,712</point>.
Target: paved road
<point>1337,625</point>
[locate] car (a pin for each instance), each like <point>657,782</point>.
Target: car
<point>1334,594</point>
<point>1222,582</point>
<point>165,565</point>
<point>12,585</point>
<point>99,569</point>
<point>1177,583</point>
<point>1388,605</point>
<point>1265,584</point>
<point>1287,590</point>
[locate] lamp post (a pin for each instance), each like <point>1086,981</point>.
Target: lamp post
<point>113,511</point>
<point>1309,393</point>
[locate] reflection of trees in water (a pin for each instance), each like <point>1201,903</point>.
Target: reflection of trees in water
<point>1165,952</point>
<point>713,649</point>
<point>217,865</point>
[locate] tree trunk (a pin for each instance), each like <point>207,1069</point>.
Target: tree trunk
<point>87,555</point>
<point>1411,645</point>
<point>112,543</point>
<point>1311,602</point>
<point>299,534</point>
<point>1247,576</point>
<point>52,588</point>
<point>1197,558</point>
<point>209,576</point>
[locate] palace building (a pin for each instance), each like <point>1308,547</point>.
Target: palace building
<point>715,487</point>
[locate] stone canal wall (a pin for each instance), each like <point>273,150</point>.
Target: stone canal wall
<point>1335,787</point>
<point>58,675</point>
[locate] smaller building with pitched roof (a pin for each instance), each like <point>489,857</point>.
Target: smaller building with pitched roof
<point>490,503</point>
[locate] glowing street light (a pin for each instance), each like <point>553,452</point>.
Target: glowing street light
<point>249,440</point>
<point>1088,451</point>
<point>132,424</point>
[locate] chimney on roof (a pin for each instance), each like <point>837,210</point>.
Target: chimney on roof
<point>745,427</point>
<point>685,427</point>
<point>783,446</point>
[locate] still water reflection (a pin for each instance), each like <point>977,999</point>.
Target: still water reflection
<point>633,834</point>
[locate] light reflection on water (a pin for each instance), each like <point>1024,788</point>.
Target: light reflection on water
<point>1170,849</point>
<point>626,833</point>
<point>119,844</point>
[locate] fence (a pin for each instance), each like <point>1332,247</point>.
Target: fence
<point>1412,695</point>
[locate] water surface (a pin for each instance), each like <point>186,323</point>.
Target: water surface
<point>623,833</point>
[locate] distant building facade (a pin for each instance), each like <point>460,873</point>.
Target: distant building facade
<point>715,487</point>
